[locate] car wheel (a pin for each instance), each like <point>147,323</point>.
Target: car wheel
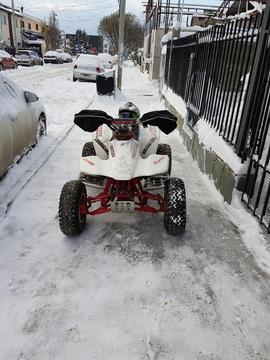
<point>72,204</point>
<point>16,66</point>
<point>1,67</point>
<point>41,128</point>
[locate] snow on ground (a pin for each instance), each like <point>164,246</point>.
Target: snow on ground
<point>253,236</point>
<point>212,140</point>
<point>125,289</point>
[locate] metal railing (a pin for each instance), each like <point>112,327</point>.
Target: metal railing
<point>210,71</point>
<point>165,12</point>
<point>223,75</point>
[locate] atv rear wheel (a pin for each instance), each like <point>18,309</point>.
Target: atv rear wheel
<point>175,206</point>
<point>88,149</point>
<point>165,149</point>
<point>73,198</point>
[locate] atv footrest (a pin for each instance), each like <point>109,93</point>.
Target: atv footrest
<point>153,183</point>
<point>94,181</point>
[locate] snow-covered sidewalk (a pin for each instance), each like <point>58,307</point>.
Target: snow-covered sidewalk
<point>125,289</point>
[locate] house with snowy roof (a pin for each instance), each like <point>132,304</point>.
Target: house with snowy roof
<point>10,34</point>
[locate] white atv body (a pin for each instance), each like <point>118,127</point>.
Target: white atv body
<point>125,159</point>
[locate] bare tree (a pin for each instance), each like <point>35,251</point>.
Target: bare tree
<point>109,28</point>
<point>52,35</point>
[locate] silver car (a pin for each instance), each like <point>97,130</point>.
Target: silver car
<point>52,57</point>
<point>28,58</point>
<point>22,121</point>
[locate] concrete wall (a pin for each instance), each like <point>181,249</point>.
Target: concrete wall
<point>4,30</point>
<point>155,53</point>
<point>5,36</point>
<point>209,163</point>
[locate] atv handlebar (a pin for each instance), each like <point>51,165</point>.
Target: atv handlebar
<point>90,120</point>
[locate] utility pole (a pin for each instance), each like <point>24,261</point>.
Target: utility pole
<point>122,7</point>
<point>15,44</point>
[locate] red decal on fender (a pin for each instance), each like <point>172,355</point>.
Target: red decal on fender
<point>89,162</point>
<point>159,160</point>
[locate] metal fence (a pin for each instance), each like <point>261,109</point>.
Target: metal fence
<point>223,75</point>
<point>255,131</point>
<point>210,71</point>
<point>166,12</point>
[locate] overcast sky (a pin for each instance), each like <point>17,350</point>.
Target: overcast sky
<point>84,14</point>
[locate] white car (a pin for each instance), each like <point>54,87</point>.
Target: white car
<point>87,67</point>
<point>53,57</point>
<point>107,60</point>
<point>22,121</point>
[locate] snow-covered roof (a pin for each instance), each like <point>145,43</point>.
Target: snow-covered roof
<point>184,31</point>
<point>51,53</point>
<point>9,10</point>
<point>33,42</point>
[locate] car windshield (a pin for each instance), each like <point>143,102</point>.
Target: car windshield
<point>4,54</point>
<point>88,60</point>
<point>23,53</point>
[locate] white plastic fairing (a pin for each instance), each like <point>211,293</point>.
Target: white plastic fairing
<point>124,162</point>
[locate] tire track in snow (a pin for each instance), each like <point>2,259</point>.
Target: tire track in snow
<point>7,199</point>
<point>36,73</point>
<point>38,76</point>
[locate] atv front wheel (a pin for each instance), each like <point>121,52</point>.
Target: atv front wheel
<point>175,206</point>
<point>73,199</point>
<point>88,149</point>
<point>165,149</point>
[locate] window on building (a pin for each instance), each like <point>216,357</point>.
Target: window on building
<point>3,20</point>
<point>29,26</point>
<point>17,23</point>
<point>22,23</point>
<point>37,27</point>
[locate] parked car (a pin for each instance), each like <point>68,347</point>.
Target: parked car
<point>87,67</point>
<point>7,61</point>
<point>22,121</point>
<point>66,57</point>
<point>28,58</point>
<point>107,60</point>
<point>52,57</point>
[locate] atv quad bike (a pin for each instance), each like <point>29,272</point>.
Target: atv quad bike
<point>126,161</point>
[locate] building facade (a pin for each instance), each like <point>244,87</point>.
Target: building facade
<point>8,37</point>
<point>32,23</point>
<point>33,34</point>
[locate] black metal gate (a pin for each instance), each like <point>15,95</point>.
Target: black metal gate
<point>211,69</point>
<point>223,75</point>
<point>255,130</point>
